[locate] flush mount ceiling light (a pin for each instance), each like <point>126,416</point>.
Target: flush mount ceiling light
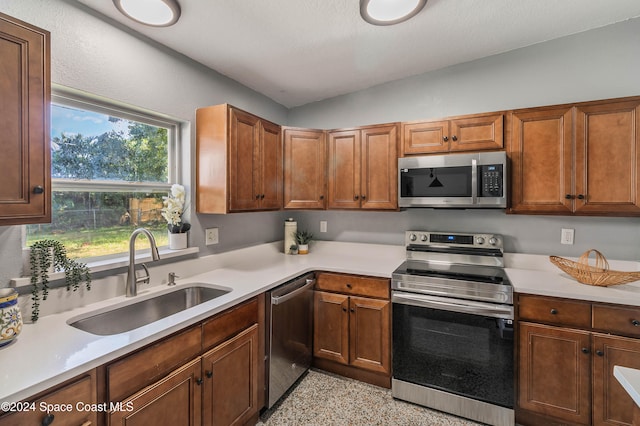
<point>156,13</point>
<point>389,12</point>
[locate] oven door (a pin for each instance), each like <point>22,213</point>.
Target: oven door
<point>455,346</point>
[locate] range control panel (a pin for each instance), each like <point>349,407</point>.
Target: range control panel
<point>453,239</point>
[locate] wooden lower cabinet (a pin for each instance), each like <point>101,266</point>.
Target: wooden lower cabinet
<point>218,388</point>
<point>230,392</point>
<point>555,373</point>
<point>76,395</point>
<point>208,374</point>
<point>174,400</point>
<point>612,405</point>
<point>565,372</point>
<point>352,334</point>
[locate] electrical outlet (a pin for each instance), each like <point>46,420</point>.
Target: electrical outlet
<point>323,226</point>
<point>566,237</point>
<point>211,236</point>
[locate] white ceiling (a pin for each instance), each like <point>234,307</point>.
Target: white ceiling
<point>301,51</point>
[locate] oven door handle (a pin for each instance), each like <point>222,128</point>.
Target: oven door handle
<point>454,305</point>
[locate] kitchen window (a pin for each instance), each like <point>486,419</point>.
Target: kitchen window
<point>110,168</point>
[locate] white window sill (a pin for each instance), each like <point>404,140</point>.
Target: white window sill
<point>113,263</point>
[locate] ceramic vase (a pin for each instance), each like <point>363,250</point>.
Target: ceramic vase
<point>303,248</point>
<point>178,241</point>
<point>10,317</point>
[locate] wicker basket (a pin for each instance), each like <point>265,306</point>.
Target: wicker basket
<point>598,275</point>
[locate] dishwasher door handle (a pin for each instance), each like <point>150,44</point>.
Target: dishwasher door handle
<point>276,300</point>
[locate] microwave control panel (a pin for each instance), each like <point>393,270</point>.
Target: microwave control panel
<point>491,180</point>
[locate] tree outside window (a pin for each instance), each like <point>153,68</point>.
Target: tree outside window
<point>109,174</point>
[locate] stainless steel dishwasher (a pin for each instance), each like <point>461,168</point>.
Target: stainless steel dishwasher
<point>290,335</point>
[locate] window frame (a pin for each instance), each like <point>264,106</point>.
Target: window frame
<point>76,99</point>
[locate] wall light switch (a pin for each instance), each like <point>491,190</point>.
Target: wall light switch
<point>323,226</point>
<point>211,236</point>
<point>567,236</point>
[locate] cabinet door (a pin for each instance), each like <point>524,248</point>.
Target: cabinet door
<point>25,95</point>
<point>612,405</point>
<point>331,326</point>
<point>344,169</point>
<point>304,169</point>
<point>379,168</point>
<point>174,400</point>
<point>554,372</point>
<point>369,334</point>
<point>476,133</point>
<point>80,390</point>
<point>230,393</point>
<point>540,149</point>
<point>425,137</point>
<point>271,166</point>
<point>244,161</point>
<point>607,158</point>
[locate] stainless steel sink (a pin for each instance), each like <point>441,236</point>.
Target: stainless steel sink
<point>129,317</point>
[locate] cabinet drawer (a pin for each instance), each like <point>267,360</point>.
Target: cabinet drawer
<point>229,323</point>
<point>354,284</point>
<point>148,365</point>
<point>551,310</point>
<point>617,320</point>
<point>81,389</point>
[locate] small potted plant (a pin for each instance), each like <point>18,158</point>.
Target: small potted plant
<point>302,239</point>
<point>44,255</point>
<point>172,211</point>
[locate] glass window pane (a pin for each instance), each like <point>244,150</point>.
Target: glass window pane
<point>95,146</point>
<point>92,224</point>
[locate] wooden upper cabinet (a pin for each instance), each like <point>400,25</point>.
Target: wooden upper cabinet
<point>465,133</point>
<point>304,168</point>
<point>363,168</point>
<point>576,159</point>
<point>607,158</point>
<point>344,169</point>
<point>25,95</point>
<point>425,137</point>
<point>540,148</point>
<point>239,161</point>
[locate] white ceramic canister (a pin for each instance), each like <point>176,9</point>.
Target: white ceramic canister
<point>10,317</point>
<point>290,229</point>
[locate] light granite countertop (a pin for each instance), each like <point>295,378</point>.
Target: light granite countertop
<point>50,351</point>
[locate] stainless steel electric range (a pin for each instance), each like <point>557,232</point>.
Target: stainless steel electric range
<point>453,326</point>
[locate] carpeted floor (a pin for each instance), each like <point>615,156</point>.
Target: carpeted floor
<point>324,399</point>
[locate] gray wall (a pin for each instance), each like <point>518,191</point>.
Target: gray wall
<point>598,64</point>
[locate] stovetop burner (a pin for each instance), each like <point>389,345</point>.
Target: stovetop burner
<point>466,266</point>
<point>486,274</point>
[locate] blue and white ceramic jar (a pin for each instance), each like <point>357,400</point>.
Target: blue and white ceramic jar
<point>10,317</point>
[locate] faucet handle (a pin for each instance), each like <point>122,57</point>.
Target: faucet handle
<point>144,279</point>
<point>172,278</point>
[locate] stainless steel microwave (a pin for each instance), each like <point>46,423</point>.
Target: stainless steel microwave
<point>476,180</point>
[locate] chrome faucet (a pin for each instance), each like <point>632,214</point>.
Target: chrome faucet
<point>132,279</point>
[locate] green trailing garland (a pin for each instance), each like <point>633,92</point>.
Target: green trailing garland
<point>41,259</point>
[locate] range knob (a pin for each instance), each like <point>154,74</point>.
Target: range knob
<point>413,237</point>
<point>480,240</point>
<point>493,241</point>
<point>424,238</point>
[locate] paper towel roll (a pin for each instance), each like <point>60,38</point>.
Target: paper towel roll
<point>290,228</point>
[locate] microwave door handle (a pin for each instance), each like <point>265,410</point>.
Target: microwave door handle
<point>474,181</point>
